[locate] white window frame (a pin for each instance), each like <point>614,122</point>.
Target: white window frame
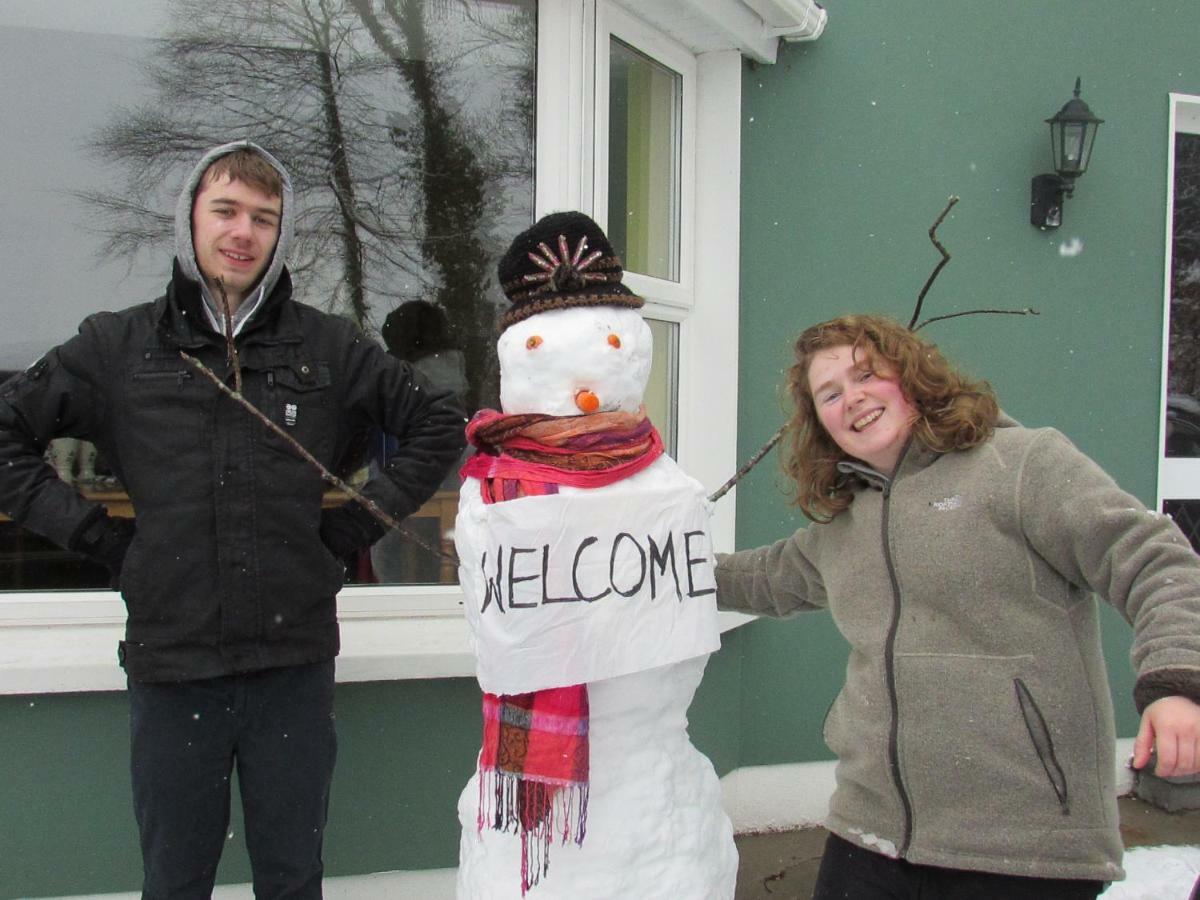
<point>66,641</point>
<point>614,22</point>
<point>1178,478</point>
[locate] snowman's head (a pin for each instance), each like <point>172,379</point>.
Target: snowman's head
<point>572,343</point>
<point>575,361</point>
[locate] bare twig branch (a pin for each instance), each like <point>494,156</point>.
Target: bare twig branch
<point>749,464</point>
<point>231,352</point>
<point>1027,311</point>
<point>766,448</point>
<point>365,502</point>
<point>941,263</point>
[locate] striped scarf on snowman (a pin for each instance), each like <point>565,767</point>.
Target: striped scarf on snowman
<point>533,766</point>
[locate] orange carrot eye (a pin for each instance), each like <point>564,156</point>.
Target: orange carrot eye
<point>614,341</point>
<point>533,343</point>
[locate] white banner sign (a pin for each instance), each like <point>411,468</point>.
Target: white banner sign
<point>576,587</point>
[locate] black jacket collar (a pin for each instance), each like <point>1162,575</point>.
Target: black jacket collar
<point>182,321</point>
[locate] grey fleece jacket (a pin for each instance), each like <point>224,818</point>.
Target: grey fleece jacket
<point>975,727</point>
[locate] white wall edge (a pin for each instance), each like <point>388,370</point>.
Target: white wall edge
<point>79,654</point>
<point>709,379</point>
<point>796,795</point>
<point>779,797</point>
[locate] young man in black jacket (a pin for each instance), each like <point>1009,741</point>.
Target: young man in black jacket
<point>231,567</point>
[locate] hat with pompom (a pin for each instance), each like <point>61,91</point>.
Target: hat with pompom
<point>563,260</point>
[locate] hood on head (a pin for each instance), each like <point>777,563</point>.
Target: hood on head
<point>185,250</point>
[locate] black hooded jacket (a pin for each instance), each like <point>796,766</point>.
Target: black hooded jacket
<point>228,571</point>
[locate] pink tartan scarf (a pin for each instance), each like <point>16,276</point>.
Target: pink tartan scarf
<point>533,767</point>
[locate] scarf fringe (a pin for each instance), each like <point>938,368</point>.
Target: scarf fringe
<point>537,811</point>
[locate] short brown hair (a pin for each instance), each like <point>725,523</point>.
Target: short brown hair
<point>248,167</point>
<point>952,411</point>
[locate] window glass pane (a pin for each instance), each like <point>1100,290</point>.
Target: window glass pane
<point>662,389</point>
<point>644,134</point>
<point>1183,361</point>
<point>1186,514</point>
<point>408,129</point>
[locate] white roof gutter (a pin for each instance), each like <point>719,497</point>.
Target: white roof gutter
<point>792,20</point>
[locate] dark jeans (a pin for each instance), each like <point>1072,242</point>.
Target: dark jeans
<point>277,726</point>
<point>849,871</point>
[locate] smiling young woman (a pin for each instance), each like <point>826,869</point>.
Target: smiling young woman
<point>841,363</point>
<point>961,555</point>
<point>861,405</point>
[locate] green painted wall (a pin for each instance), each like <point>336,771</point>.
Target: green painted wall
<point>67,825</point>
<point>851,146</point>
<point>405,750</point>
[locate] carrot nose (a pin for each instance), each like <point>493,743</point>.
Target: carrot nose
<point>587,401</point>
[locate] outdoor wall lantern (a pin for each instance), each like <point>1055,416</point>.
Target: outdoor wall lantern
<point>1072,131</point>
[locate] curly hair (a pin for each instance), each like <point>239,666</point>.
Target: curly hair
<point>952,411</point>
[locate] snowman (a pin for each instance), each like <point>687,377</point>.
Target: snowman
<point>587,569</point>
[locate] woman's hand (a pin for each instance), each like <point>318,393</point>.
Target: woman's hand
<point>1170,726</point>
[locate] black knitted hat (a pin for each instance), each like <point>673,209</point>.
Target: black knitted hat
<point>563,260</point>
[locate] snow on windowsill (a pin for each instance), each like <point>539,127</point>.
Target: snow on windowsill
<point>67,642</point>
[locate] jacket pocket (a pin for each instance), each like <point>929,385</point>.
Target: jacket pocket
<point>300,377</point>
<point>299,399</point>
<point>1043,744</point>
<point>163,415</point>
<point>962,736</point>
<point>150,378</point>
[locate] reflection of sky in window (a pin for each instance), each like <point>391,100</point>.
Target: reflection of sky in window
<point>60,87</point>
<point>133,18</point>
<point>70,67</point>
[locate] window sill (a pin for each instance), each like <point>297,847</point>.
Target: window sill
<point>67,643</point>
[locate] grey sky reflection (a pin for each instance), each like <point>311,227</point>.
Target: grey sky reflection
<point>70,84</point>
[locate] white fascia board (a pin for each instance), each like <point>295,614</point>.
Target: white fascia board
<point>704,26</point>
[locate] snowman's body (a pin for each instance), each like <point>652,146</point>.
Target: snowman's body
<point>655,825</point>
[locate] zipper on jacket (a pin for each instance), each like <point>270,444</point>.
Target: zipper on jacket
<point>1039,733</point>
<point>889,660</point>
<point>181,375</point>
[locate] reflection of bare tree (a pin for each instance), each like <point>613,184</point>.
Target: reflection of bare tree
<point>1187,207</point>
<point>1184,368</point>
<point>395,184</point>
<point>453,182</point>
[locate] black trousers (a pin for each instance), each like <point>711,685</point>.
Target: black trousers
<point>850,872</point>
<point>277,727</point>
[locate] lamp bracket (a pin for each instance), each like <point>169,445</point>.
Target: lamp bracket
<point>1046,199</point>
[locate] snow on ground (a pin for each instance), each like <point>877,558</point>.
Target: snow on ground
<point>1157,873</point>
<point>1153,873</point>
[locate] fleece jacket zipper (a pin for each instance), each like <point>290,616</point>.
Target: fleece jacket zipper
<point>889,659</point>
